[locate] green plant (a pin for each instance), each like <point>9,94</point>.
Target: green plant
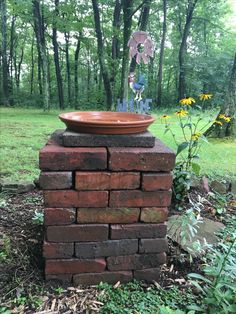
<point>4,310</point>
<point>5,251</point>
<point>38,218</point>
<point>218,282</point>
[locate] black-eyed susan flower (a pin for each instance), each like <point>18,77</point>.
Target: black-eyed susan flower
<point>218,122</point>
<point>205,96</point>
<point>227,119</point>
<point>187,101</point>
<point>221,116</point>
<point>181,113</point>
<point>165,117</point>
<point>195,136</point>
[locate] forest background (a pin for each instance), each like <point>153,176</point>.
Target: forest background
<point>74,54</point>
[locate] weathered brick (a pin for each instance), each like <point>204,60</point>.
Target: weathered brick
<point>137,261</point>
<point>156,181</point>
<point>106,248</point>
<point>68,198</point>
<point>134,231</point>
<point>60,279</point>
<point>153,245</point>
<point>72,233</point>
<point>149,274</point>
<point>74,266</point>
<point>55,180</point>
<point>59,216</point>
<point>154,214</point>
<point>56,157</point>
<point>58,250</point>
<point>158,158</point>
<point>108,215</point>
<point>108,276</point>
<point>107,180</point>
<point>138,198</point>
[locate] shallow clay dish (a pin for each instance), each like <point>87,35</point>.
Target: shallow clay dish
<point>105,122</point>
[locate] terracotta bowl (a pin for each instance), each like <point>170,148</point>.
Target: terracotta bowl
<point>104,122</point>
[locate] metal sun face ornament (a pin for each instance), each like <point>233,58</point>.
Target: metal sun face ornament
<point>141,39</point>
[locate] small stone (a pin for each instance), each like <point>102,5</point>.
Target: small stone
<point>219,187</point>
<point>19,187</point>
<point>205,184</point>
<point>233,187</point>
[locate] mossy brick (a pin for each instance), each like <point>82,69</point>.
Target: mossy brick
<point>103,180</point>
<point>156,181</point>
<point>54,157</point>
<point>106,248</point>
<point>55,180</point>
<point>58,250</point>
<point>136,261</point>
<point>59,216</point>
<point>74,266</point>
<point>110,277</point>
<point>154,214</point>
<point>157,158</point>
<point>70,198</point>
<point>108,215</point>
<point>137,231</point>
<point>137,198</point>
<point>153,245</point>
<point>73,233</point>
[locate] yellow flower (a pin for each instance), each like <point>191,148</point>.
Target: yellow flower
<point>221,116</point>
<point>227,119</point>
<point>181,113</point>
<point>218,122</point>
<point>205,96</point>
<point>196,136</point>
<point>165,116</point>
<point>187,101</point>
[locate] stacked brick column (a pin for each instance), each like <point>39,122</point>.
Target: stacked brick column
<point>105,211</point>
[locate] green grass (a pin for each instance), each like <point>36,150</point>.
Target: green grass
<point>25,131</point>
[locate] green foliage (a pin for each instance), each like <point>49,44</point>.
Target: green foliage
<point>38,218</point>
<point>132,297</point>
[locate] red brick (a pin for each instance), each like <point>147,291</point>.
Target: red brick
<point>59,216</point>
<point>158,158</point>
<point>74,266</point>
<point>134,231</point>
<point>137,261</point>
<point>74,233</point>
<point>58,250</point>
<point>60,279</point>
<point>153,245</point>
<point>56,157</point>
<point>106,248</point>
<point>75,198</point>
<point>108,215</point>
<point>156,181</point>
<point>138,198</point>
<point>154,214</point>
<point>55,180</point>
<point>108,276</point>
<point>149,274</point>
<point>107,180</point>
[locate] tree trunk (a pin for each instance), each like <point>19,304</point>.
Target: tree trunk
<point>104,70</point>
<point>32,68</point>
<point>56,57</point>
<point>77,50</point>
<point>39,32</point>
<point>143,22</point>
<point>229,108</point>
<point>12,37</point>
<point>67,40</point>
<point>161,58</point>
<point>5,68</point>
<point>183,48</point>
<point>127,15</point>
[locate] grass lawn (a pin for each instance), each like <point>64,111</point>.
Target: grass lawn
<point>25,131</point>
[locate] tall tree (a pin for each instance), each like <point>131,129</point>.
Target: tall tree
<point>67,40</point>
<point>5,68</point>
<point>183,47</point>
<point>56,56</point>
<point>161,57</point>
<point>76,58</point>
<point>101,57</point>
<point>40,36</point>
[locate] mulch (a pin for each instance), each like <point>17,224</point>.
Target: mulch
<point>21,271</point>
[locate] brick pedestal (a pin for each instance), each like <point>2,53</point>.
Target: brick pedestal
<point>105,211</point>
